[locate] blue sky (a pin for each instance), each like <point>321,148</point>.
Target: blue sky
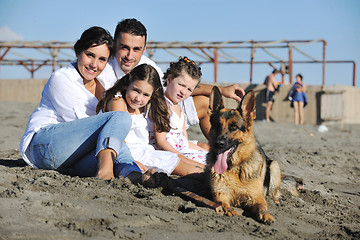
<point>336,21</point>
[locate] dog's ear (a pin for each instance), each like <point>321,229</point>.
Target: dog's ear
<point>216,101</point>
<point>247,106</point>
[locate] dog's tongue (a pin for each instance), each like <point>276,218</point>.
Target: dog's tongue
<point>221,165</point>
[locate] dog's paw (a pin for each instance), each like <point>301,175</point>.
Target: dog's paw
<point>266,218</point>
<point>231,211</point>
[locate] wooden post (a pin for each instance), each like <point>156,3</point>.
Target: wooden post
<point>290,67</point>
<point>251,63</point>
<point>215,64</point>
<point>323,62</point>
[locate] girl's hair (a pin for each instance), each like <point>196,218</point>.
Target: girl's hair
<point>183,65</point>
<point>159,109</point>
<point>94,36</point>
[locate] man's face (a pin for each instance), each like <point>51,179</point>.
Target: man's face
<point>129,49</point>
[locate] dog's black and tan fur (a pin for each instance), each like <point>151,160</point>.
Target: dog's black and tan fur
<point>236,167</point>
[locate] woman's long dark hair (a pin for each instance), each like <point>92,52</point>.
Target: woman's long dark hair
<point>159,109</point>
<point>94,36</point>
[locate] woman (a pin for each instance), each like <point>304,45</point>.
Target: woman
<point>299,99</point>
<point>65,134</point>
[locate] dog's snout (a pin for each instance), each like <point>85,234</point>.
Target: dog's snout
<point>221,142</point>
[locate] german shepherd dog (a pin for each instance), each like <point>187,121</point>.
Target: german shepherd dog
<point>238,171</point>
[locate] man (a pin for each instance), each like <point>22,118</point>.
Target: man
<point>130,40</point>
<point>271,87</point>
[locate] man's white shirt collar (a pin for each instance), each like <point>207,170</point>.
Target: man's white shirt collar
<point>119,73</point>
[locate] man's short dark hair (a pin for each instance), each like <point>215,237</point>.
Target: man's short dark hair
<point>131,26</point>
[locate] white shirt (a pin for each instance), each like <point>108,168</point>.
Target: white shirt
<point>138,134</point>
<point>113,67</point>
<point>63,99</point>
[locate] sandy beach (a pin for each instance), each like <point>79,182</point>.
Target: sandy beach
<point>41,204</point>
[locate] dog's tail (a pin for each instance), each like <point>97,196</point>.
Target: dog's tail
<point>272,180</point>
<point>292,184</point>
<point>275,180</point>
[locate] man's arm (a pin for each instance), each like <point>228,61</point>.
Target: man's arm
<point>273,82</point>
<point>233,91</point>
<point>202,89</point>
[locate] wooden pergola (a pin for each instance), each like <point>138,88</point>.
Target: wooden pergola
<point>58,54</point>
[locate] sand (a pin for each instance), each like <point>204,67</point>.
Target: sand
<point>42,204</point>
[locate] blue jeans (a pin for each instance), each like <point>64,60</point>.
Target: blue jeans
<point>72,147</point>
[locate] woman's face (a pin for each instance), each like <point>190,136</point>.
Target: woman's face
<point>92,61</point>
<point>138,94</point>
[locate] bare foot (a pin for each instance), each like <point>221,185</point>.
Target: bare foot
<point>106,175</point>
<point>106,164</point>
<point>142,167</point>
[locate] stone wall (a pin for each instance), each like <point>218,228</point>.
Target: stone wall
<point>330,103</point>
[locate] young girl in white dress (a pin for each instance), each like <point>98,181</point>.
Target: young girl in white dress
<point>133,93</point>
<point>182,77</point>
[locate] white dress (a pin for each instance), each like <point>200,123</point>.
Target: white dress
<point>138,143</point>
<point>177,139</point>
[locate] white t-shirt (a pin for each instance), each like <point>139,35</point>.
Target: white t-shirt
<point>114,70</point>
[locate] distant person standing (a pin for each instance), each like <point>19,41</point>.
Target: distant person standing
<point>299,99</point>
<point>271,87</point>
